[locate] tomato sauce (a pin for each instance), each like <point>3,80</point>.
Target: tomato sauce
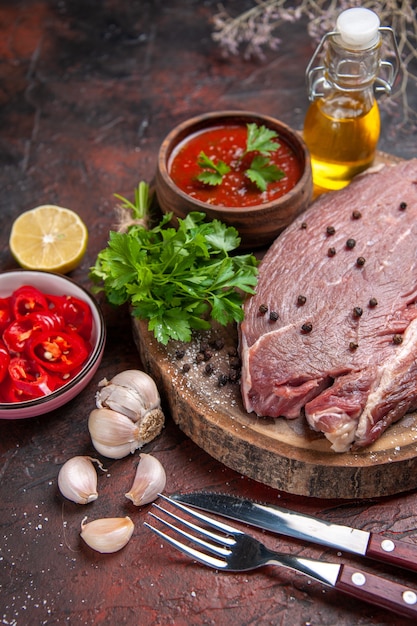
<point>227,143</point>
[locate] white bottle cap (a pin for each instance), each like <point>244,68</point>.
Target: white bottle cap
<point>358,28</point>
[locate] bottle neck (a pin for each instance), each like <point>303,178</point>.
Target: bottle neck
<point>351,70</point>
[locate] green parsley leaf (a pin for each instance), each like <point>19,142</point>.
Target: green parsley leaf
<point>213,172</point>
<point>262,172</point>
<point>260,138</point>
<point>179,279</point>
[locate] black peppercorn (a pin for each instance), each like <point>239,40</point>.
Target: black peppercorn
<point>179,354</point>
<point>304,225</point>
<point>209,369</point>
<point>218,344</point>
<point>330,230</point>
<point>353,346</point>
<point>356,215</point>
<point>373,302</point>
<point>263,309</point>
<point>403,206</point>
<point>331,251</point>
<point>351,243</point>
<point>186,368</point>
<point>222,380</point>
<point>273,316</point>
<point>360,261</point>
<point>397,339</point>
<point>357,311</point>
<point>301,300</point>
<point>307,328</point>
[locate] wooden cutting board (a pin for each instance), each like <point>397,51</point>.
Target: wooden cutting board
<point>284,454</point>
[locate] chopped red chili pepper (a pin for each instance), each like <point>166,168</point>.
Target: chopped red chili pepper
<point>41,346</point>
<point>5,313</point>
<point>19,332</point>
<point>27,299</point>
<point>77,315</point>
<point>28,379</point>
<point>58,351</point>
<point>4,361</point>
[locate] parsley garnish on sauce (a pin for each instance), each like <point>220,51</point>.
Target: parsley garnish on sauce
<point>261,172</point>
<point>176,278</point>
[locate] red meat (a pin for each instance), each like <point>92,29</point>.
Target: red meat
<point>339,337</point>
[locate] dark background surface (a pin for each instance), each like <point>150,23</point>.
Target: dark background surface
<point>88,91</point>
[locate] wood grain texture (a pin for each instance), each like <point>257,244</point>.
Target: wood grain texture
<point>284,454</point>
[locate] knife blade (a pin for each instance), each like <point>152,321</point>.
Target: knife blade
<point>305,527</point>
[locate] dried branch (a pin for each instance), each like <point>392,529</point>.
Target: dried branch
<point>253,31</point>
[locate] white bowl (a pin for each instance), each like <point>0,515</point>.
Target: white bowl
<point>55,284</point>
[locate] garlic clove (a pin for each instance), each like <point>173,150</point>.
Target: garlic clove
<point>77,479</point>
<point>140,382</point>
<point>120,399</point>
<point>132,392</point>
<point>108,534</point>
<point>115,452</point>
<point>112,429</point>
<point>150,480</point>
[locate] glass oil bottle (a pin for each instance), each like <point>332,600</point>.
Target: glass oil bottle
<point>342,124</point>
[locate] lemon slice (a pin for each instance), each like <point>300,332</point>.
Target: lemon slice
<point>48,238</point>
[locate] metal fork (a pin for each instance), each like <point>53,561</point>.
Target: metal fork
<point>223,547</point>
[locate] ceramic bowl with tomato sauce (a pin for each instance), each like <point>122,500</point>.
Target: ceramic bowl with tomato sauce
<point>205,164</point>
<point>52,338</point>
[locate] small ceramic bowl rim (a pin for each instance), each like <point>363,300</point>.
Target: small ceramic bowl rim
<point>38,406</point>
<point>184,129</point>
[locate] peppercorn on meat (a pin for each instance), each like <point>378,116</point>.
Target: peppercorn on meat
<point>332,329</point>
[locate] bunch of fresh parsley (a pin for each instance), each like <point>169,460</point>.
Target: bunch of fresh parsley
<point>260,140</point>
<point>176,278</point>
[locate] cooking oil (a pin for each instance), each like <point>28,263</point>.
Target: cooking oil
<point>342,124</point>
<point>342,137</point>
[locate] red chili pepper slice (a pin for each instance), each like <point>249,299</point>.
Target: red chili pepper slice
<point>5,313</point>
<point>77,315</point>
<point>17,334</point>
<point>26,300</point>
<point>27,380</point>
<point>4,360</point>
<point>58,351</point>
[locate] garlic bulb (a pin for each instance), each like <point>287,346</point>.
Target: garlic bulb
<point>108,534</point>
<point>133,399</point>
<point>77,479</point>
<point>150,479</point>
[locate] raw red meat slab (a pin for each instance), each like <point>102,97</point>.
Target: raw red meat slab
<point>343,281</point>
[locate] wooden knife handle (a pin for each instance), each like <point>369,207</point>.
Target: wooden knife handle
<point>378,591</point>
<point>399,553</point>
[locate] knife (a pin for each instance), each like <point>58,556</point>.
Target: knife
<point>305,527</point>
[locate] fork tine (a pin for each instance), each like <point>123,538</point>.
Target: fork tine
<point>220,551</point>
<point>222,539</point>
<point>206,559</point>
<point>225,528</point>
